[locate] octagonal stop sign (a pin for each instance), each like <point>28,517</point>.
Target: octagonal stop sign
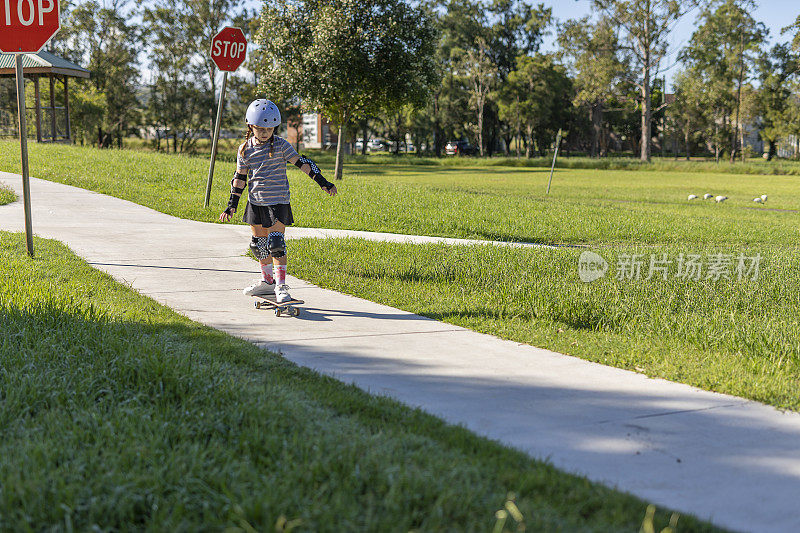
<point>27,25</point>
<point>228,48</point>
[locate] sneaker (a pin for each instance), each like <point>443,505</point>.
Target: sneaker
<point>282,293</point>
<point>260,288</point>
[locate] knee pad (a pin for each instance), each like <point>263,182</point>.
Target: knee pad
<point>276,244</point>
<point>258,245</point>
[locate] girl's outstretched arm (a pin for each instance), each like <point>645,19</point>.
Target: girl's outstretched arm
<point>238,184</point>
<point>310,167</point>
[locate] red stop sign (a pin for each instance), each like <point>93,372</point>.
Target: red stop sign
<point>27,25</point>
<point>228,48</point>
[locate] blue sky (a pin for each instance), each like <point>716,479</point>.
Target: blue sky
<point>775,14</point>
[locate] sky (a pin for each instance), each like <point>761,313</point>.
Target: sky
<point>775,14</point>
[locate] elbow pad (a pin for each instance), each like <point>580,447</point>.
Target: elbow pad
<point>303,160</point>
<point>238,177</point>
<point>315,173</point>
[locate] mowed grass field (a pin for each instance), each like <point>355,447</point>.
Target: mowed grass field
<point>600,207</point>
<point>721,333</point>
<point>118,414</point>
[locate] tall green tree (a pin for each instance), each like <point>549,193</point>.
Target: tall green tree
<point>347,58</point>
<point>687,112</point>
<point>537,98</point>
<point>105,39</point>
<point>516,28</point>
<point>776,72</point>
<point>481,74</point>
<point>178,99</point>
<point>462,24</point>
<point>646,25</point>
<point>724,50</point>
<point>599,67</point>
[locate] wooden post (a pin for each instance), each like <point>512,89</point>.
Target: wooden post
<point>66,107</point>
<point>38,110</point>
<point>52,108</point>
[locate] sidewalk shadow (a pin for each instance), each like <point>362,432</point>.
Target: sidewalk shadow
<point>318,314</point>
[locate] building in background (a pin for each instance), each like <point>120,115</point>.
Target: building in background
<point>317,133</point>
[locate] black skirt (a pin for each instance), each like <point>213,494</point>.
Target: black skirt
<point>268,215</point>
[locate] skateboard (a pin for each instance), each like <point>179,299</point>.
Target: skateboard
<point>286,307</point>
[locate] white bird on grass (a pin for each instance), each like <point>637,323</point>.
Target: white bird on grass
<point>692,197</point>
<point>706,196</point>
<point>719,199</point>
<point>763,197</point>
<point>758,200</point>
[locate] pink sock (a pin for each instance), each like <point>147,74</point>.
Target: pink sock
<point>266,273</point>
<point>280,274</point>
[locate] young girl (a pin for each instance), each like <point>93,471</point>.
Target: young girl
<point>262,159</point>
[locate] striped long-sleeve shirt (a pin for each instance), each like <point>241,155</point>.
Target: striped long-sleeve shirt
<point>268,184</point>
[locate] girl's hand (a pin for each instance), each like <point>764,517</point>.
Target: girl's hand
<point>226,215</point>
<point>331,190</point>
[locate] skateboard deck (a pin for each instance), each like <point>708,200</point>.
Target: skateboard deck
<point>290,307</point>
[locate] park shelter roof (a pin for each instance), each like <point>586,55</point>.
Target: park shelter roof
<point>41,63</point>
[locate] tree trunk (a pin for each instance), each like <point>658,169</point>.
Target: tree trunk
<point>364,139</point>
<point>437,127</point>
<point>340,150</point>
<point>647,111</point>
<point>597,120</point>
<point>480,125</point>
<point>686,136</point>
<point>529,131</point>
<point>741,144</point>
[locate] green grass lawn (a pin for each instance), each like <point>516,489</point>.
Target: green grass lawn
<point>726,335</point>
<point>484,202</point>
<point>6,194</point>
<point>119,414</point>
<point>729,336</point>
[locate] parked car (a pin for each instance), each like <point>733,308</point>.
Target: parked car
<point>376,145</point>
<point>459,148</point>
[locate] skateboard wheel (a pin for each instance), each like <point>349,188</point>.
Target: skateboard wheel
<point>277,311</point>
<point>258,305</point>
<point>295,311</point>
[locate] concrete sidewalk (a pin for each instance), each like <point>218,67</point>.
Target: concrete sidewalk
<point>732,461</point>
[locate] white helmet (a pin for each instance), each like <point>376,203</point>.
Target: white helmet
<point>263,113</point>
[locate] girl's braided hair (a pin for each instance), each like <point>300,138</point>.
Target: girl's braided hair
<point>246,138</point>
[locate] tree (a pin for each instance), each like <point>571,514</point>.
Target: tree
<point>598,66</point>
<point>462,24</point>
<point>104,39</point>
<point>347,58</point>
<point>516,29</point>
<point>537,98</point>
<point>646,24</point>
<point>177,99</point>
<point>776,71</point>
<point>723,50</point>
<point>481,74</point>
<point>687,110</point>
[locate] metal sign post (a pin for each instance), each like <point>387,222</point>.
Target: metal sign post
<point>216,138</point>
<point>228,50</point>
<point>555,156</point>
<point>23,144</point>
<point>25,27</point>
